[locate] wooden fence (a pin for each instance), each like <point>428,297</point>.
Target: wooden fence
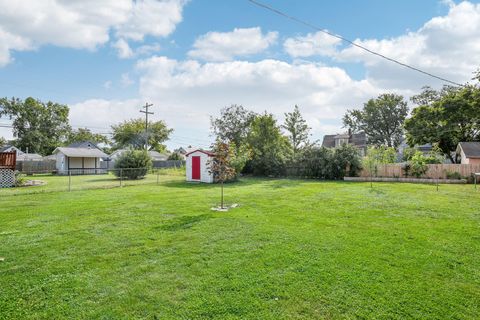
<point>435,171</point>
<point>7,160</point>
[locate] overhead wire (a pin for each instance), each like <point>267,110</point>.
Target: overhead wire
<point>316,28</point>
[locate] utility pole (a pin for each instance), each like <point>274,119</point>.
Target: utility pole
<point>147,105</point>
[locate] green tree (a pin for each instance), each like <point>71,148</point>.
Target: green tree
<point>133,164</point>
<point>131,134</point>
<point>38,126</point>
<point>175,156</point>
<point>445,118</point>
<point>298,130</point>
<point>3,141</point>
<point>270,149</point>
<point>346,162</point>
<point>377,156</point>
<point>233,124</point>
<point>84,134</point>
<point>381,119</point>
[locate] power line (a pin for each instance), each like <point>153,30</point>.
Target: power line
<point>310,25</point>
<point>147,105</point>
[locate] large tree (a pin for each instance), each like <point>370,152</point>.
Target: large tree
<point>39,127</point>
<point>84,134</point>
<point>381,119</point>
<point>298,130</point>
<point>233,124</point>
<point>445,117</point>
<point>270,148</point>
<point>132,134</point>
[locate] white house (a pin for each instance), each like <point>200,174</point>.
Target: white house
<point>197,166</point>
<point>79,160</point>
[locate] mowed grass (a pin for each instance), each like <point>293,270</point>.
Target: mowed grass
<point>293,249</point>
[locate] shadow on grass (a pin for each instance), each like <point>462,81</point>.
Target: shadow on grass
<point>185,222</point>
<point>197,185</point>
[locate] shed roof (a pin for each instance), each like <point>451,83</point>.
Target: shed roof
<point>471,149</point>
<point>81,152</point>
<point>209,153</point>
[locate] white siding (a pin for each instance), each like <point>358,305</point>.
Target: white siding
<point>61,162</point>
<point>205,176</point>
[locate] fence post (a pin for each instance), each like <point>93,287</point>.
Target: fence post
<point>121,177</point>
<point>158,176</point>
<point>69,180</point>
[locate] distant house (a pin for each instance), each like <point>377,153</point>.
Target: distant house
<point>358,140</point>
<point>83,144</point>
<point>22,156</point>
<point>469,152</point>
<point>29,157</point>
<point>79,160</point>
<point>9,148</point>
<point>197,167</point>
<point>156,156</point>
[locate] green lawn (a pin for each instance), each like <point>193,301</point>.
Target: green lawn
<point>294,249</point>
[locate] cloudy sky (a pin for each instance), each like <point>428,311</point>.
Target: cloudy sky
<point>190,58</point>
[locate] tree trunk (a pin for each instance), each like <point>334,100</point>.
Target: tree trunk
<point>221,205</point>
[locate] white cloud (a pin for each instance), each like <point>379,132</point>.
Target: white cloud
<point>188,92</point>
<point>29,24</point>
<point>100,114</point>
<point>224,46</point>
<point>448,46</point>
<point>123,49</point>
<point>126,81</point>
<point>312,44</point>
<point>107,84</point>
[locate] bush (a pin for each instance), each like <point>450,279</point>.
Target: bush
<point>330,164</point>
<point>19,179</point>
<point>133,164</point>
<point>418,164</point>
<point>454,175</point>
<point>175,156</point>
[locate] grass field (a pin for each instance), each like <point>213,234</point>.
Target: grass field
<point>293,249</point>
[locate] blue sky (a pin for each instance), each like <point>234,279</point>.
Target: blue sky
<point>266,73</point>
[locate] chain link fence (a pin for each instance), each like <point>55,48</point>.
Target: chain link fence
<point>83,179</point>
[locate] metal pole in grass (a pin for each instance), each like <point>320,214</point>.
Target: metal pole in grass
<point>158,176</point>
<point>69,180</point>
<point>121,177</point>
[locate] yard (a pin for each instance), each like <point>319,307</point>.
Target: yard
<point>293,249</point>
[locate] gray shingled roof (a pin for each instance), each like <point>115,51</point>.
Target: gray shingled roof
<point>471,149</point>
<point>83,144</point>
<point>356,139</point>
<point>81,152</point>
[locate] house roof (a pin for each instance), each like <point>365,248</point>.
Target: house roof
<point>153,154</point>
<point>83,144</point>
<point>81,152</point>
<point>157,155</point>
<point>470,149</point>
<point>356,139</point>
<point>29,156</point>
<point>6,147</point>
<point>209,153</point>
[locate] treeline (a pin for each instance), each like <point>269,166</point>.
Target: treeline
<point>40,127</point>
<point>261,146</point>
